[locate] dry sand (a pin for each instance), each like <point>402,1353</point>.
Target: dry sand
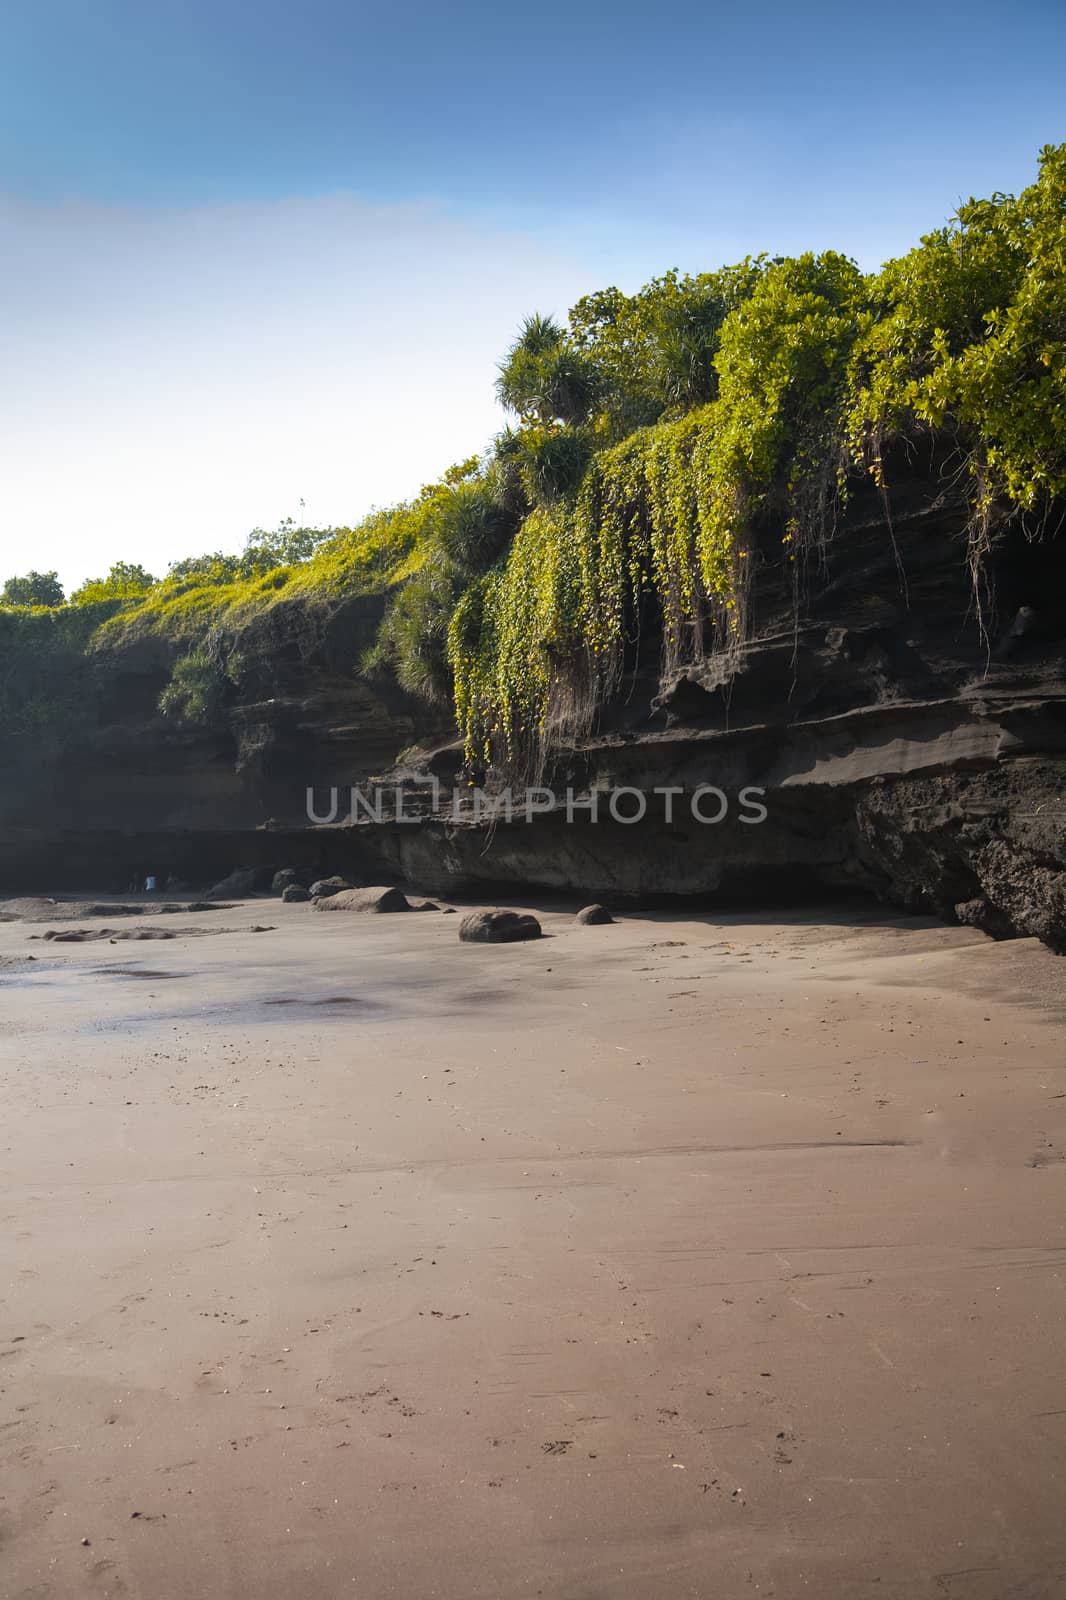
<point>674,1258</point>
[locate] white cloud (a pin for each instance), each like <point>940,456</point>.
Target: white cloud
<point>173,378</point>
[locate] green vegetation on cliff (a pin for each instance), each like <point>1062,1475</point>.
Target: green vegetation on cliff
<point>34,589</point>
<point>656,437</point>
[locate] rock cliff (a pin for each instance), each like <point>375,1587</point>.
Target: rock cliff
<point>903,749</point>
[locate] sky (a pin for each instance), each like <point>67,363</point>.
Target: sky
<point>260,260</point>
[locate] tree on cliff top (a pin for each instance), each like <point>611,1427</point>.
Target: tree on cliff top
<point>35,589</point>
<point>125,580</point>
<point>546,379</point>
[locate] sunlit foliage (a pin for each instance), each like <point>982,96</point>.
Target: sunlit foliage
<point>970,342</point>
<point>125,580</point>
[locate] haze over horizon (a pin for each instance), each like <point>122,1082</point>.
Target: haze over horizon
<point>253,257</point>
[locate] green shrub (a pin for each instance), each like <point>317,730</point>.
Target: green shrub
<point>196,693</point>
<point>971,341</point>
<point>656,349</point>
<point>125,580</point>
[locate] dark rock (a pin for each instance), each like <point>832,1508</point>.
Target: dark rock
<point>1026,626</point>
<point>294,893</point>
<point>323,887</point>
<point>498,927</point>
<point>287,878</point>
<point>424,905</point>
<point>981,913</point>
<point>373,900</point>
<point>1029,896</point>
<point>240,883</point>
<point>593,916</point>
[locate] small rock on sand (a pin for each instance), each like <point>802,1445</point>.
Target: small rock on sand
<point>498,927</point>
<point>294,892</point>
<point>323,887</point>
<point>593,916</point>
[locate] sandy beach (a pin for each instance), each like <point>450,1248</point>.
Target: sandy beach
<point>681,1257</point>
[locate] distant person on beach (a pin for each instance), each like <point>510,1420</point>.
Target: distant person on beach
<point>149,884</point>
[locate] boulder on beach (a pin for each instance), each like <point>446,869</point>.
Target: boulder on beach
<point>323,887</point>
<point>242,881</point>
<point>293,893</point>
<point>288,878</point>
<point>498,927</point>
<point>424,905</point>
<point>593,916</point>
<point>376,900</point>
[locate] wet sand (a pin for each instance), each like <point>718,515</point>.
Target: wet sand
<point>673,1258</point>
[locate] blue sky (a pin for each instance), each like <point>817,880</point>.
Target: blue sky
<point>257,253</point>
